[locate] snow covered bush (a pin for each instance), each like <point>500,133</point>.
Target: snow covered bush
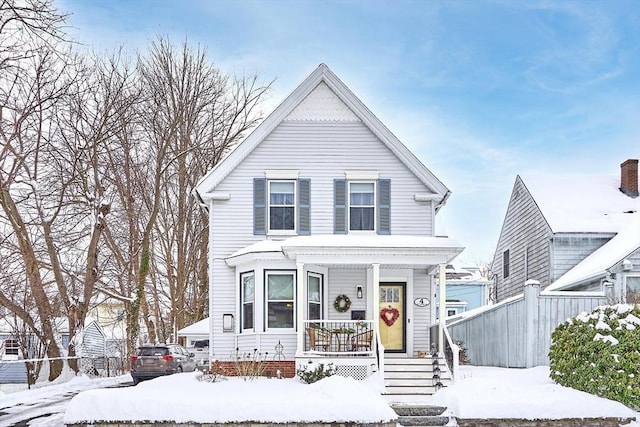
<point>599,353</point>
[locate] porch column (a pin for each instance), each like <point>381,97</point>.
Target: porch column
<point>301,298</point>
<point>442,309</point>
<point>376,295</point>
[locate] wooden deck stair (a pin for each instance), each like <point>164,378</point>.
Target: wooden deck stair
<point>406,378</point>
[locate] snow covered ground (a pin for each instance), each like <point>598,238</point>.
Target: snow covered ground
<point>479,392</point>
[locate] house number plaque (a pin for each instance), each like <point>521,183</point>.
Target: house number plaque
<point>421,302</point>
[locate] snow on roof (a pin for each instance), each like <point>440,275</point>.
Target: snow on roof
<point>580,203</point>
<point>199,328</point>
<point>612,252</point>
<point>349,241</point>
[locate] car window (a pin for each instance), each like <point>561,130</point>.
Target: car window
<point>152,351</point>
<point>201,344</point>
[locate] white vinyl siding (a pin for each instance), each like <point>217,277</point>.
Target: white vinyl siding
<point>321,152</point>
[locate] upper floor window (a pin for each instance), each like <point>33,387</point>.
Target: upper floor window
<point>282,205</point>
<point>362,206</point>
<point>280,299</point>
<point>505,264</point>
<point>11,347</point>
<point>247,283</point>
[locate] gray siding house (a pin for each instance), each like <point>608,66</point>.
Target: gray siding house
<point>554,223</point>
<point>567,245</point>
<point>322,235</point>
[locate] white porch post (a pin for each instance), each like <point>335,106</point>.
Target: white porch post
<point>376,295</point>
<point>301,298</point>
<point>442,309</point>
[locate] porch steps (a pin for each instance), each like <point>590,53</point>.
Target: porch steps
<point>406,377</point>
<point>422,415</point>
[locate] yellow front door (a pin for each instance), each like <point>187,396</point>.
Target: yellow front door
<point>391,315</point>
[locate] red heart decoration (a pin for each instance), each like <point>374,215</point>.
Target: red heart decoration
<point>389,315</point>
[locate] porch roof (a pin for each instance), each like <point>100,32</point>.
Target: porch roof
<point>332,249</point>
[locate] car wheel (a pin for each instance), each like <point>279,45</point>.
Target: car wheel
<point>136,381</point>
<point>179,369</point>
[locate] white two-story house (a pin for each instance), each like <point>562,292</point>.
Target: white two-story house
<point>322,238</point>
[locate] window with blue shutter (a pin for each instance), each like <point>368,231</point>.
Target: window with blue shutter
<point>281,206</point>
<point>362,206</point>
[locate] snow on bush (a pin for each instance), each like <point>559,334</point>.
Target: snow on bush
<point>599,353</point>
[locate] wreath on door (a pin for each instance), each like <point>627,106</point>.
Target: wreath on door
<point>342,303</point>
<point>389,315</point>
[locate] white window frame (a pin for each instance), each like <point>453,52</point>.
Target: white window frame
<point>320,301</point>
<point>267,301</point>
<point>244,302</point>
<point>374,206</point>
<point>624,289</point>
<point>294,206</point>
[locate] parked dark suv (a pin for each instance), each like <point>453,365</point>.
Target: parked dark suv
<point>153,361</point>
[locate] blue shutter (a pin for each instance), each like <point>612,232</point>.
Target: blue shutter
<point>340,206</point>
<point>304,204</point>
<point>259,206</point>
<point>384,206</point>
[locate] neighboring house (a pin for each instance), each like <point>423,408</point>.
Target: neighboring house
<point>322,237</point>
<point>196,332</point>
<point>567,245</point>
<point>466,289</point>
<point>556,226</point>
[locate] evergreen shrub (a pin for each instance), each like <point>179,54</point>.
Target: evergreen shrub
<point>599,353</point>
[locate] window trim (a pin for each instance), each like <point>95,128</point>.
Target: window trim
<point>294,205</point>
<point>624,289</point>
<point>506,264</point>
<point>320,303</point>
<point>374,207</point>
<point>243,302</point>
<point>266,300</point>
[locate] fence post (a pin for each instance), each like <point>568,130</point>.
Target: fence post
<point>531,295</point>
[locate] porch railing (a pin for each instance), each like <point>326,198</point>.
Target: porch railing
<point>340,338</point>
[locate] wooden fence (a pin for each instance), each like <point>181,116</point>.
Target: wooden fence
<point>516,333</point>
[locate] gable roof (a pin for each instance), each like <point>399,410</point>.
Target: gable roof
<point>597,264</point>
<point>588,204</point>
<point>580,204</point>
<point>322,74</point>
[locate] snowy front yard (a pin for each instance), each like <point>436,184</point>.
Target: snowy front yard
<point>479,392</point>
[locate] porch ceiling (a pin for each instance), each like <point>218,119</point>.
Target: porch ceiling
<point>355,250</point>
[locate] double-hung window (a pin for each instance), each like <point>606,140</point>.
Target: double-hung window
<point>280,287</point>
<point>632,286</point>
<point>247,284</point>
<point>362,206</point>
<point>314,290</point>
<point>282,205</point>
<point>362,202</point>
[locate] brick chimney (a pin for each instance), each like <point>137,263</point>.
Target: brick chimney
<point>629,177</point>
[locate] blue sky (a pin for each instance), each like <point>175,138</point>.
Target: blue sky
<point>480,91</point>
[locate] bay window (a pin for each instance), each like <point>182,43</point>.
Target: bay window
<point>247,285</point>
<point>280,301</point>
